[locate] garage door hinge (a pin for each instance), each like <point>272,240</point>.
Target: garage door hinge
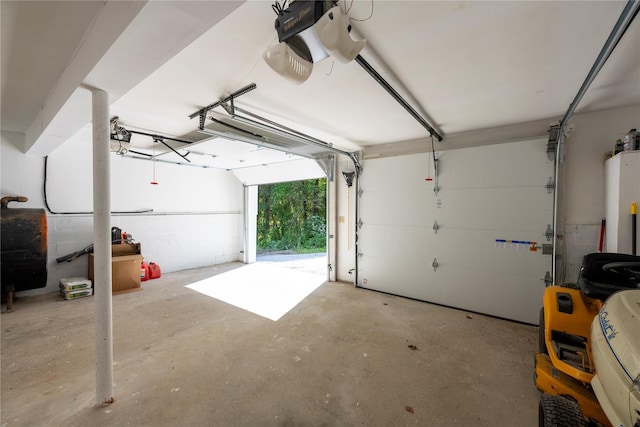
<point>359,224</point>
<point>548,232</point>
<point>435,264</point>
<point>551,185</point>
<point>547,279</point>
<point>360,191</point>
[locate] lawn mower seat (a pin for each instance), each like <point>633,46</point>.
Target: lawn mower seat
<point>620,272</point>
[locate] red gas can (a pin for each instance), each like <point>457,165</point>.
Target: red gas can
<point>144,272</point>
<point>154,270</point>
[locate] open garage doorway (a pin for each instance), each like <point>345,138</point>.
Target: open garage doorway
<point>291,225</point>
<point>285,249</point>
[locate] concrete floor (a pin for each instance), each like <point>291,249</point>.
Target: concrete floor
<point>340,358</point>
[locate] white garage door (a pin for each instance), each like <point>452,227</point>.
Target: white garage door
<point>493,210</point>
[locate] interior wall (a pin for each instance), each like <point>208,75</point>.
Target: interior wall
<point>582,181</point>
<point>196,217</point>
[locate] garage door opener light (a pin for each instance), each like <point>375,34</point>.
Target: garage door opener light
<point>308,32</point>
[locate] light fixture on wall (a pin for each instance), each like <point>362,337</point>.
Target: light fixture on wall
<point>308,32</point>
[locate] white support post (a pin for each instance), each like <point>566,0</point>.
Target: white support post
<point>250,223</point>
<point>102,248</point>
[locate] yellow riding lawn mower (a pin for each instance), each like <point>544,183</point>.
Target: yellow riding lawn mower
<point>588,360</point>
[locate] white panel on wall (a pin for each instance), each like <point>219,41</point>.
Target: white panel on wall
<point>488,193</point>
<point>622,177</point>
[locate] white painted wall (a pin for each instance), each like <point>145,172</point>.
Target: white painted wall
<point>582,181</point>
<point>196,219</point>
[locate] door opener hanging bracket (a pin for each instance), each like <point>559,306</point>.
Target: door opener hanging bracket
<point>224,102</point>
<point>229,107</point>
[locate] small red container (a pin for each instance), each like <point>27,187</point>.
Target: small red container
<point>154,270</point>
<point>144,272</point>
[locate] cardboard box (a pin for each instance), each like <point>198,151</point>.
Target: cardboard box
<point>125,269</point>
<point>125,249</point>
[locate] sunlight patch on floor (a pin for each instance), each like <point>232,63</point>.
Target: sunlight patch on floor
<point>263,289</point>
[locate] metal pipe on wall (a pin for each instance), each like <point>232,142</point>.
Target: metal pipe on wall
<point>51,211</point>
<point>102,247</point>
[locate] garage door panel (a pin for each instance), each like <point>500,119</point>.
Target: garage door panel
<point>473,290</point>
<point>487,195</point>
<point>502,295</point>
<point>477,250</point>
<point>402,277</point>
<point>390,242</point>
<point>397,208</point>
<point>463,249</point>
<point>395,173</point>
<point>505,209</point>
<point>514,164</point>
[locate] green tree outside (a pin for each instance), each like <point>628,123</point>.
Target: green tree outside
<point>292,216</point>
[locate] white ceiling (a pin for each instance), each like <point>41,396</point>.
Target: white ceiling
<point>465,66</point>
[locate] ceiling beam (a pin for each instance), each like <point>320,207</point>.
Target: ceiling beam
<point>127,42</point>
<point>45,132</point>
